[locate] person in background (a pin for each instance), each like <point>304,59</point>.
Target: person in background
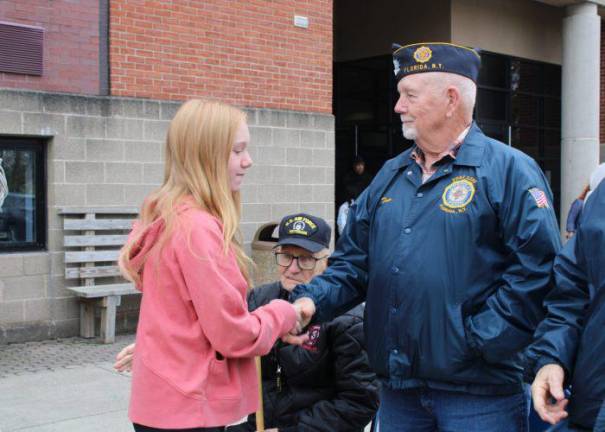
<point>575,210</point>
<point>325,385</point>
<point>596,177</point>
<point>196,340</point>
<point>356,180</point>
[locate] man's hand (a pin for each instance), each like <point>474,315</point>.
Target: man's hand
<point>124,359</point>
<point>548,385</point>
<point>305,309</point>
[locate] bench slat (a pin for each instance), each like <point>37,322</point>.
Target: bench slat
<point>97,291</point>
<point>94,240</point>
<point>97,224</point>
<point>91,272</point>
<point>91,256</point>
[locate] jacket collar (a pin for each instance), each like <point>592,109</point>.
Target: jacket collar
<point>470,153</point>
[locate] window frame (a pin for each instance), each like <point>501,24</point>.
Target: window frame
<point>38,146</point>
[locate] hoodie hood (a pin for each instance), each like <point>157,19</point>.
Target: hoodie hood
<point>595,179</point>
<point>145,242</point>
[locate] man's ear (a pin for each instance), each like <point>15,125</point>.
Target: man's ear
<point>453,100</point>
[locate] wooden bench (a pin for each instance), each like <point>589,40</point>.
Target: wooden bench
<point>93,237</point>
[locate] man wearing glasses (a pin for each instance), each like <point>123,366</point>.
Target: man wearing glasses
<point>326,384</point>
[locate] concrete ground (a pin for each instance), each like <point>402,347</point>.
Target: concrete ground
<point>63,385</point>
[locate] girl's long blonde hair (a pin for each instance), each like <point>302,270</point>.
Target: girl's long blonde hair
<point>198,145</point>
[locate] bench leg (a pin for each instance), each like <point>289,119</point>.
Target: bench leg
<point>87,318</point>
<point>109,305</point>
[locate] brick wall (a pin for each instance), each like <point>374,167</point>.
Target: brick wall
<point>71,40</point>
<point>107,151</point>
<point>246,52</point>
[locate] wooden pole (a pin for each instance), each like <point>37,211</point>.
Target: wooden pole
<point>260,415</point>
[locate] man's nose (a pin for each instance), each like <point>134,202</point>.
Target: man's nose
<point>400,106</point>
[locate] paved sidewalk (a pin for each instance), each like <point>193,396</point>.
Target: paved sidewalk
<point>63,385</point>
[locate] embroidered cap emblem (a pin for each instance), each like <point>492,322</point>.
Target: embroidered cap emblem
<point>423,54</point>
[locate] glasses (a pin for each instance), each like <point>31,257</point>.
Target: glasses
<point>305,262</point>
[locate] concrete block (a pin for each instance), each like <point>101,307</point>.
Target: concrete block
<point>37,310</point>
<point>312,175</point>
<point>316,209</point>
<point>261,136</point>
<point>271,118</point>
<point>57,263</point>
<point>86,127</point>
<point>323,193</point>
<point>117,172</point>
<point>61,103</point>
<point>323,122</point>
<point>69,195</point>
<point>134,108</point>
<point>118,128</point>
<point>104,150</point>
<point>299,193</point>
<point>313,139</point>
<point>104,194</point>
<point>63,148</point>
<point>260,174</point>
<point>135,194</point>
<point>274,193</point>
<point>323,158</point>
<point>330,140</point>
<point>286,138</point>
<point>143,151</point>
<point>155,130</point>
<point>11,265</point>
<point>248,230</point>
<point>43,124</point>
<point>57,287</point>
<point>251,116</point>
<point>300,157</point>
<point>98,106</point>
<point>84,172</point>
<point>24,287</point>
<point>257,212</point>
<point>278,211</point>
<point>271,155</point>
<point>331,175</point>
<point>153,173</point>
<point>64,308</point>
<point>17,100</point>
<point>249,193</point>
<point>10,122</point>
<point>36,263</point>
<point>12,312</point>
<point>168,109</point>
<point>54,239</point>
<point>299,120</point>
<point>286,174</point>
<point>151,109</point>
<point>56,173</point>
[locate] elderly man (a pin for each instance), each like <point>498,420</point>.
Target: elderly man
<point>569,344</point>
<point>326,384</point>
<point>452,246</point>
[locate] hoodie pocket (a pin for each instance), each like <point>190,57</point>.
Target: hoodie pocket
<point>223,379</point>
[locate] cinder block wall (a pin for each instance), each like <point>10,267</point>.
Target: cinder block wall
<point>107,151</point>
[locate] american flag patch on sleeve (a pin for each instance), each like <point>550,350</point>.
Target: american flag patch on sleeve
<point>540,197</point>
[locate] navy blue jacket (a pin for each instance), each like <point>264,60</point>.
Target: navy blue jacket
<point>454,271</point>
<point>572,334</point>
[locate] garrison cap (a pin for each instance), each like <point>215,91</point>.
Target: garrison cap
<point>435,57</point>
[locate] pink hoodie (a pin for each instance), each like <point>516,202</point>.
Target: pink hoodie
<point>196,340</point>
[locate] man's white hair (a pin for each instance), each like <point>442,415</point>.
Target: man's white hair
<point>467,88</point>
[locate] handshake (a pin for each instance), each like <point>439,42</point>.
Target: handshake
<point>305,309</point>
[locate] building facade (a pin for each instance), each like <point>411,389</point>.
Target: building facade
<point>88,87</point>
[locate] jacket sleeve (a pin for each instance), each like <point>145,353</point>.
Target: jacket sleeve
<point>505,322</point>
<point>355,398</point>
<point>215,288</point>
<point>558,336</point>
<point>343,284</point>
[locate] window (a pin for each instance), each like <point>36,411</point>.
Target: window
<point>22,194</point>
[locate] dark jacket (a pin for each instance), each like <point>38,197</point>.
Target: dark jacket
<point>325,385</point>
<point>454,270</point>
<point>572,333</point>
